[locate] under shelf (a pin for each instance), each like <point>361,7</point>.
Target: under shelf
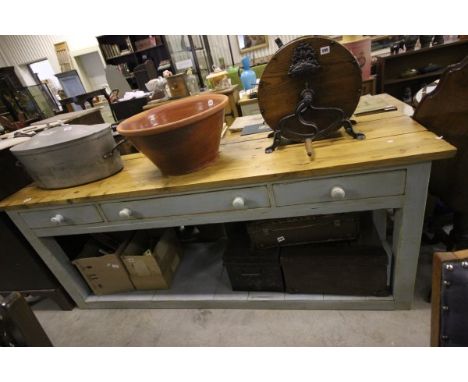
<point>418,77</point>
<point>120,55</point>
<point>201,281</point>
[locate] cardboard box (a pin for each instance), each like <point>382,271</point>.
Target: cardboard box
<point>105,274</point>
<point>152,269</point>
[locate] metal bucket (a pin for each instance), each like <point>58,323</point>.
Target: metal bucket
<point>70,155</point>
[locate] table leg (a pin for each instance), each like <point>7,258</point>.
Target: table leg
<point>407,234</point>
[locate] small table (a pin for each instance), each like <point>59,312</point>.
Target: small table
<point>80,117</point>
<point>81,99</point>
<point>249,106</point>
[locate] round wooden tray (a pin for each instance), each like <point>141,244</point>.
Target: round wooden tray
<point>337,84</point>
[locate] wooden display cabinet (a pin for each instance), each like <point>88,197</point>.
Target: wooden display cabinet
<point>391,67</point>
<point>128,51</point>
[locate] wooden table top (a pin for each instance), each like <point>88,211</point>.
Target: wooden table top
<point>247,101</point>
<point>392,139</point>
<point>65,117</point>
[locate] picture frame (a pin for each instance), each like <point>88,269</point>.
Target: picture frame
<point>248,43</point>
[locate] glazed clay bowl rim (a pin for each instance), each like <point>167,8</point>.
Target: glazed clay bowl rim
<point>177,123</point>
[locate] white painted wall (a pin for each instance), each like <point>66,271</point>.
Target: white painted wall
<point>20,50</point>
<point>3,61</point>
<point>93,69</point>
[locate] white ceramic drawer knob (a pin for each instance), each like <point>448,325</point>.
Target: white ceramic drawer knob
<point>238,202</point>
<point>125,213</point>
<point>57,219</point>
<point>337,193</point>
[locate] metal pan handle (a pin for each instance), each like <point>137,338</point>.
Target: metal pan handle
<point>111,153</point>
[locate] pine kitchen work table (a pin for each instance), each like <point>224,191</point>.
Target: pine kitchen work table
<point>389,170</point>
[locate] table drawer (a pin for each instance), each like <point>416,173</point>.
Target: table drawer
<point>237,199</point>
<point>55,217</point>
<point>350,187</point>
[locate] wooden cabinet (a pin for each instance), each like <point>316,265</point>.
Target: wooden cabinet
<point>390,68</point>
<point>22,270</point>
<point>127,52</point>
<point>16,101</point>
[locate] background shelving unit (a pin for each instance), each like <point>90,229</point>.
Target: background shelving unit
<point>128,51</point>
<point>391,67</point>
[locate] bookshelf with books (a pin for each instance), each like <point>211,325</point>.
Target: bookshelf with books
<point>128,51</point>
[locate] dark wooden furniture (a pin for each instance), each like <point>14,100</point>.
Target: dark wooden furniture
<point>18,325</point>
<point>449,299</point>
<point>128,51</point>
<point>81,99</point>
<point>445,112</point>
<point>13,177</point>
<point>9,125</point>
<point>308,91</point>
<point>390,68</point>
<point>22,270</point>
<point>143,73</point>
<point>8,75</point>
<point>125,109</point>
<point>336,84</point>
<point>16,101</point>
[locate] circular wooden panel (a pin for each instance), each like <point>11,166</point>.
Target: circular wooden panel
<point>337,84</point>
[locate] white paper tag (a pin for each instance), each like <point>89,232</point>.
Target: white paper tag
<point>280,239</point>
<point>324,50</point>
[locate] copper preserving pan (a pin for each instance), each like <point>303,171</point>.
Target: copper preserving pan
<point>181,136</point>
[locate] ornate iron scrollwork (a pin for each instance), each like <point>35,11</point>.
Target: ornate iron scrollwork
<point>303,61</point>
<point>309,122</point>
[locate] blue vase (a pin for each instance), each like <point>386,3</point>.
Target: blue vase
<point>248,76</point>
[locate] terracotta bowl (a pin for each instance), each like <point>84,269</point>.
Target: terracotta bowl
<point>179,137</point>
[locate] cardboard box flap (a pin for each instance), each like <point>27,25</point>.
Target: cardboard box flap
<point>153,269</point>
<point>142,266</point>
<point>166,248</point>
